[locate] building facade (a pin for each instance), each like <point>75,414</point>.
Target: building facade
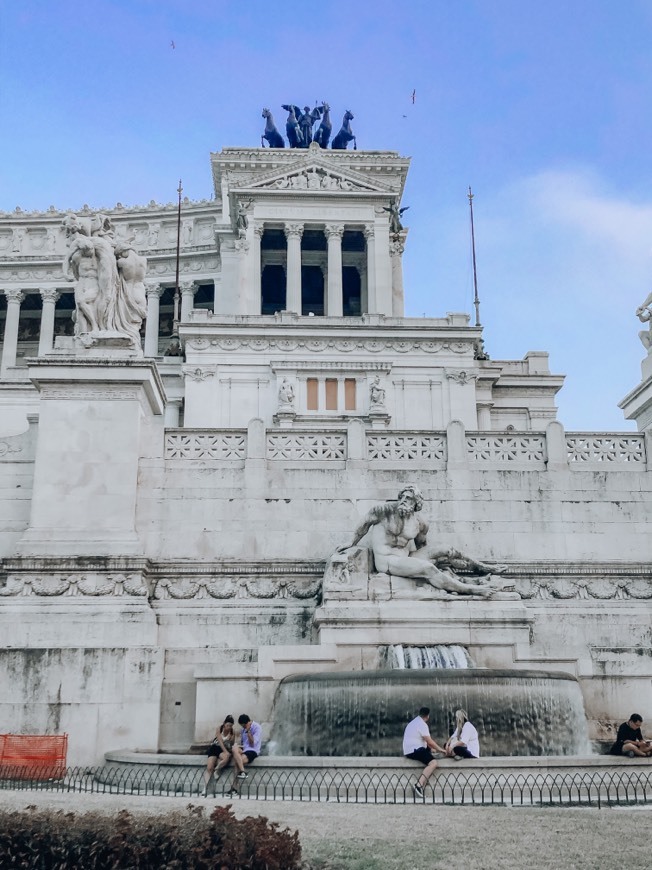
<point>166,520</point>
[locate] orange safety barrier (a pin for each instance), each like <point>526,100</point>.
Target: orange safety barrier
<point>33,756</point>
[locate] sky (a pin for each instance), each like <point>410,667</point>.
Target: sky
<point>543,108</point>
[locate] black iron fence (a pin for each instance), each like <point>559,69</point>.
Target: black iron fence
<point>588,787</point>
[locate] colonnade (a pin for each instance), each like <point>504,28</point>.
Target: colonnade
<point>15,297</point>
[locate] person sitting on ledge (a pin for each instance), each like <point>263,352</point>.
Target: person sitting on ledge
<point>219,752</point>
<point>418,745</point>
<point>249,749</point>
<point>463,742</point>
<point>629,740</point>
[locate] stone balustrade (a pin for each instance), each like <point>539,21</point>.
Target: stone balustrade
<point>575,451</point>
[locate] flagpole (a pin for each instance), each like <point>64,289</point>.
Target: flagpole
<point>476,298</point>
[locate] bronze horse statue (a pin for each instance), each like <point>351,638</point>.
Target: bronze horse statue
<point>323,133</point>
<point>345,134</point>
<point>271,133</point>
<point>292,128</point>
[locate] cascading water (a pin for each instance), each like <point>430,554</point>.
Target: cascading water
<point>426,657</point>
<point>363,713</point>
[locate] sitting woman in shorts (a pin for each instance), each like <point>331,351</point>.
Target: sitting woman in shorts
<point>463,742</point>
<point>220,751</point>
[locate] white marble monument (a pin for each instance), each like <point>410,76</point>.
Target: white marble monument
<point>169,524</point>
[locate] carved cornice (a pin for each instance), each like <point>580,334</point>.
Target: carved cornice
<point>320,345</point>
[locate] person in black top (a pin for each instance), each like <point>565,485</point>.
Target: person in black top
<point>629,740</point>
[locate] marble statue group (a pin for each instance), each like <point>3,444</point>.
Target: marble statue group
<point>300,128</point>
<point>108,274</point>
<point>397,539</point>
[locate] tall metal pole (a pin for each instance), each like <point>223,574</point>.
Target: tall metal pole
<point>174,347</point>
<point>476,298</point>
<point>177,295</point>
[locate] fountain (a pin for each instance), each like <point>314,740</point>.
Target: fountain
<point>363,713</point>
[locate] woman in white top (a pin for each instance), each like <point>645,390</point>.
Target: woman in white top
<point>463,742</point>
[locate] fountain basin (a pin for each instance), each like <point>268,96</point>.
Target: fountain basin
<point>364,713</point>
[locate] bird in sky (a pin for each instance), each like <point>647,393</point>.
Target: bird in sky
<point>172,45</point>
<point>414,96</point>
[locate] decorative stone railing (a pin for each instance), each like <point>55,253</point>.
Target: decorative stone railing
<point>589,447</point>
<point>534,451</point>
<point>306,446</point>
<point>206,444</point>
<point>517,447</point>
<point>406,447</point>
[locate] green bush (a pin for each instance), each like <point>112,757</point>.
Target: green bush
<point>190,840</point>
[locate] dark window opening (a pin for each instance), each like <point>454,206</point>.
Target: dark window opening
<point>312,290</point>
<point>313,240</point>
<point>351,292</point>
<point>353,240</point>
<point>273,290</point>
<point>166,312</point>
<point>273,240</point>
<point>204,296</point>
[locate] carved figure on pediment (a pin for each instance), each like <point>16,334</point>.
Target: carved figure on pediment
<point>314,179</point>
<point>271,134</point>
<point>345,134</point>
<point>299,182</point>
<point>323,134</point>
<point>292,128</point>
<point>398,542</point>
<point>329,182</point>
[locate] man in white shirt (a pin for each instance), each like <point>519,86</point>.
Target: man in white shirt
<point>418,745</point>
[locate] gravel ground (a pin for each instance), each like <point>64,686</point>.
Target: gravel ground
<point>416,836</point>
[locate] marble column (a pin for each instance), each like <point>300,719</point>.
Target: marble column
<point>10,343</point>
<point>334,300</point>
<point>484,416</point>
<point>256,270</point>
<point>188,291</point>
<point>396,248</point>
<point>152,323</point>
<point>46,334</point>
<point>372,302</point>
<point>293,233</point>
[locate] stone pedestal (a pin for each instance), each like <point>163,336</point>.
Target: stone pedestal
<point>637,405</point>
<point>94,416</point>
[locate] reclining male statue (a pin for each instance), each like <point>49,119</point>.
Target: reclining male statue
<point>398,542</point>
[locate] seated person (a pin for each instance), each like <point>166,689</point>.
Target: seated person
<point>219,752</point>
<point>629,740</point>
<point>418,745</point>
<point>251,739</point>
<point>463,742</point>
